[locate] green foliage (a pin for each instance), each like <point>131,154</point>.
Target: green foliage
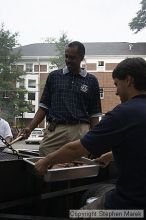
<point>12,101</point>
<point>58,62</point>
<point>139,22</point>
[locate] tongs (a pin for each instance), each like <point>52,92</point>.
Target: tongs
<point>17,139</point>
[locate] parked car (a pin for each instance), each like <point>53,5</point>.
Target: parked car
<point>36,136</point>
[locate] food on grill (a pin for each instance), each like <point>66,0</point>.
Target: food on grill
<point>74,163</point>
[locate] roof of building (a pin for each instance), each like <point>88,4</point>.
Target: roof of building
<point>92,48</point>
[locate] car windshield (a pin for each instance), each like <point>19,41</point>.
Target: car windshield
<point>36,132</point>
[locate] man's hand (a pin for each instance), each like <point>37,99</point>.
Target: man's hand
<point>9,139</point>
<point>24,133</point>
<point>41,166</point>
<point>105,158</point>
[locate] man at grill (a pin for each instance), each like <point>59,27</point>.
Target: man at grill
<point>70,102</point>
<point>5,132</point>
<point>124,130</point>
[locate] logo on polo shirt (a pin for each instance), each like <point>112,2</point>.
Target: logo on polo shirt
<point>84,88</point>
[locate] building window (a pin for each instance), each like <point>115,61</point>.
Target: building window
<point>21,83</point>
<point>43,68</point>
<point>17,67</point>
<point>100,63</point>
<point>5,95</point>
<point>31,96</point>
<point>20,67</point>
<point>31,109</point>
<point>31,83</point>
<point>36,68</point>
<point>29,67</point>
<point>101,93</point>
<point>89,66</point>
<point>110,66</point>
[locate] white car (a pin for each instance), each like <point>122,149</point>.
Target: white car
<point>36,136</point>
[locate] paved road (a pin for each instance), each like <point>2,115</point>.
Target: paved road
<point>22,145</point>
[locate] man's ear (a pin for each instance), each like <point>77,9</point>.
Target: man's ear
<point>130,80</point>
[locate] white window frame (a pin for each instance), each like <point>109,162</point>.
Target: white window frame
<point>30,70</point>
<point>30,92</point>
<point>35,83</point>
<point>100,65</point>
<point>101,62</point>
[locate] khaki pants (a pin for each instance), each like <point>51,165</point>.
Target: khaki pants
<point>63,134</point>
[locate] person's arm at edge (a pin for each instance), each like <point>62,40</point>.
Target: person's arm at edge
<point>67,153</point>
<point>8,132</point>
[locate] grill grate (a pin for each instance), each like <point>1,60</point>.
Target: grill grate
<point>6,156</point>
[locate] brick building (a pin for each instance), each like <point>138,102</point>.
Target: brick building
<point>100,60</point>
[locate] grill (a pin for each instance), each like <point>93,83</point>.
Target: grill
<point>6,156</point>
<point>23,192</point>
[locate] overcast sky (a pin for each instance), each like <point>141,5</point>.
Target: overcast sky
<point>82,20</point>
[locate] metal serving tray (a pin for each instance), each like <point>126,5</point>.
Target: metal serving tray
<point>67,173</point>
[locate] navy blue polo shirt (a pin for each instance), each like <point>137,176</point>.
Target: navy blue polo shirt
<point>124,130</point>
<point>71,97</point>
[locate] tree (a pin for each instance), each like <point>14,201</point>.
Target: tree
<point>139,22</point>
<point>60,45</point>
<point>12,102</point>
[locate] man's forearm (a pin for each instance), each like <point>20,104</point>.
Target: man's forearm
<point>68,152</point>
<point>38,118</point>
